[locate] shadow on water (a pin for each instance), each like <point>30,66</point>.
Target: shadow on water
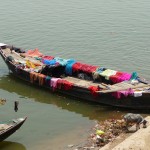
<point>6,145</point>
<point>87,109</point>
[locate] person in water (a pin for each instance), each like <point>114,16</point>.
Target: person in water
<point>16,103</point>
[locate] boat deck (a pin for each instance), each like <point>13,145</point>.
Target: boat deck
<point>19,58</point>
<point>83,83</point>
<point>105,88</point>
<point>76,81</point>
<point>4,127</point>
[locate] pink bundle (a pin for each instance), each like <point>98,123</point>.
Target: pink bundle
<point>120,76</point>
<point>124,93</point>
<point>54,83</point>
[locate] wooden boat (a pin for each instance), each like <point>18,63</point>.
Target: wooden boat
<point>72,78</point>
<point>7,129</point>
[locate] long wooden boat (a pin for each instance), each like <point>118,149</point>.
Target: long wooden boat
<point>7,129</point>
<point>76,79</point>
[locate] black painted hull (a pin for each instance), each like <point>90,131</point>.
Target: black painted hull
<point>142,102</point>
<point>6,133</point>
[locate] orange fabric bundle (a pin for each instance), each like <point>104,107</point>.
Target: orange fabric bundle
<point>33,53</point>
<point>33,76</point>
<point>37,76</point>
<point>41,78</point>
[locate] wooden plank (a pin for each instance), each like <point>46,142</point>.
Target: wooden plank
<point>125,88</point>
<point>81,82</point>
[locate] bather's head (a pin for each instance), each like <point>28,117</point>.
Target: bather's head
<point>144,123</point>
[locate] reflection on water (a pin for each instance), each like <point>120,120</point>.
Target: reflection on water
<point>86,109</point>
<point>6,145</point>
<point>51,117</point>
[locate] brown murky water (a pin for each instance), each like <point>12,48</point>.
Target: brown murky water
<point>114,34</point>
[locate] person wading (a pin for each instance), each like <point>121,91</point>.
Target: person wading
<point>16,103</point>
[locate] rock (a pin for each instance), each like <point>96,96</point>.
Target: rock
<point>71,145</point>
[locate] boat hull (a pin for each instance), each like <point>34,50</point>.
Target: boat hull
<point>142,102</point>
<point>6,133</point>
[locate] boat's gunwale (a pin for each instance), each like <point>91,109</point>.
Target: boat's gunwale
<point>4,134</point>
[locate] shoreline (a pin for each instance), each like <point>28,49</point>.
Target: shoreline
<point>138,140</point>
<point>135,140</point>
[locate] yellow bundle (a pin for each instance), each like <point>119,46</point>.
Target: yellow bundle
<point>29,64</point>
<point>99,132</point>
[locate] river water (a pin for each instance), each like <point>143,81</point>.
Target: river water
<point>114,34</point>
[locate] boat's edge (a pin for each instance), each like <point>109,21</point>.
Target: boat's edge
<point>8,132</point>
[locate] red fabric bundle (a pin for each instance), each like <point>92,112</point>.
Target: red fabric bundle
<point>67,85</point>
<point>115,78</point>
<point>83,67</point>
<point>93,90</point>
<point>48,57</point>
<point>119,77</point>
<point>76,66</point>
<point>88,68</point>
<point>59,83</point>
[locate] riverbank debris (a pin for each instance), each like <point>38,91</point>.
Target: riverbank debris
<point>103,133</point>
<point>107,131</point>
<point>2,101</point>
